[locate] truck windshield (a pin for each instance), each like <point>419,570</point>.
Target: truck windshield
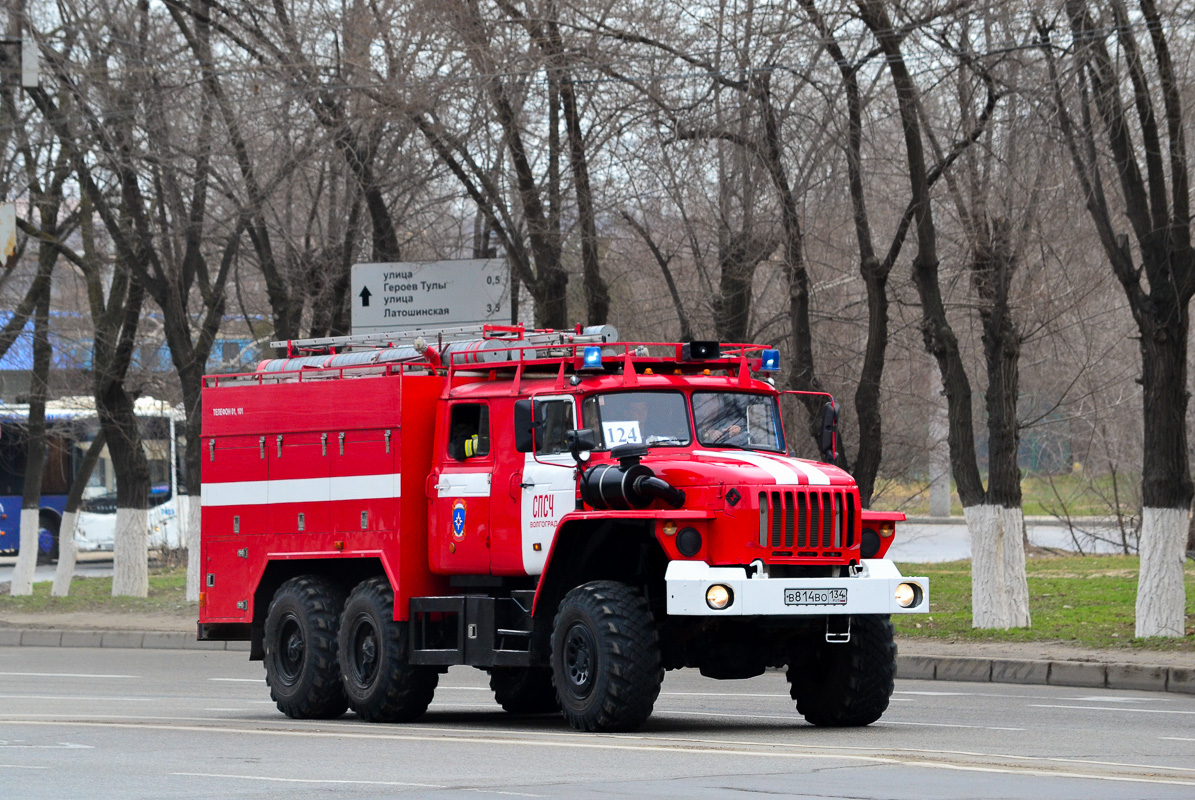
<point>738,419</point>
<point>657,419</point>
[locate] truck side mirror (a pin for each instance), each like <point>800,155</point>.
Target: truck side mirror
<point>525,422</point>
<point>580,441</point>
<point>829,438</point>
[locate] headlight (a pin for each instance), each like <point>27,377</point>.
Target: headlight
<point>908,594</point>
<point>718,596</point>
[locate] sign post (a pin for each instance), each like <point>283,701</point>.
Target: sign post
<point>413,294</point>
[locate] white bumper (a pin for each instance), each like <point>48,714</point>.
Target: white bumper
<point>871,591</point>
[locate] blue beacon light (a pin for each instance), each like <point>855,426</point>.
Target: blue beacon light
<point>593,357</point>
<point>770,361</point>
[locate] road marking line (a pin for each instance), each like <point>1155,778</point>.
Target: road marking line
<point>722,694</point>
<point>75,697</point>
<point>1177,738</point>
<point>1121,709</point>
<point>64,675</point>
<point>944,725</point>
<point>19,766</point>
<point>797,718</point>
<point>59,746</point>
<point>572,743</point>
<point>1043,773</point>
<point>308,780</point>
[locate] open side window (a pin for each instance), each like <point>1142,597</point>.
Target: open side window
<point>469,431</point>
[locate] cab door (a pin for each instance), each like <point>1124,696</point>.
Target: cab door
<point>548,484</point>
<point>459,496</point>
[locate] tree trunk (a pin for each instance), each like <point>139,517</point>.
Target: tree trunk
<point>190,508</point>
<point>35,461</point>
<point>867,394</point>
<point>1166,481</point>
<point>67,554</point>
<point>999,592</point>
<point>992,266</point>
<point>130,556</point>
<point>67,551</point>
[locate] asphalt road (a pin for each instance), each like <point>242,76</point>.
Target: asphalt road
<point>159,724</point>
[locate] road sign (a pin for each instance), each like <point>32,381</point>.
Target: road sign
<point>414,294</point>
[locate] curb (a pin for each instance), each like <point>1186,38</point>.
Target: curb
<point>1090,674</point>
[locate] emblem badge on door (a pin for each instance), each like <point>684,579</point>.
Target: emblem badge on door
<point>458,519</point>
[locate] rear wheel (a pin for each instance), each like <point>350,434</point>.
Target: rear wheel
<point>378,682</point>
<point>845,684</point>
<point>300,648</point>
<point>524,690</point>
<point>47,537</point>
<point>605,657</point>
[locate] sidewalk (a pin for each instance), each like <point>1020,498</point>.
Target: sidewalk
<point>1041,663</point>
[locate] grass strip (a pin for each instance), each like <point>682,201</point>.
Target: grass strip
<point>1087,601</point>
<point>167,594</point>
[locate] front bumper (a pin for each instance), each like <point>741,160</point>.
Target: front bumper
<point>871,591</point>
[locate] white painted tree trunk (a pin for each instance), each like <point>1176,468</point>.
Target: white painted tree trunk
<point>1161,598</point>
<point>189,512</point>
<point>130,555</point>
<point>999,588</point>
<point>22,573</point>
<point>66,556</point>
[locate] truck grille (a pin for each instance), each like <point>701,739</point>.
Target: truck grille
<point>812,523</point>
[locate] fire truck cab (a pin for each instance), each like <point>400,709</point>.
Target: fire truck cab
<point>572,514</point>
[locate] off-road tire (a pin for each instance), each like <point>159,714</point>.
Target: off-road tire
<point>300,648</point>
<point>379,683</point>
<point>524,690</point>
<point>605,657</point>
<point>845,684</point>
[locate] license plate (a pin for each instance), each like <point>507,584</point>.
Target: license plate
<point>815,597</point>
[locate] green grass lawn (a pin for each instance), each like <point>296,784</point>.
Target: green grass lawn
<point>1076,494</point>
<point>1085,600</point>
<point>167,593</point>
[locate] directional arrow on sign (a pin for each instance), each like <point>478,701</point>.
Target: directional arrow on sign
<point>365,294</point>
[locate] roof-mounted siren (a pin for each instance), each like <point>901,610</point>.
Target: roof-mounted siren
<point>769,361</point>
<point>592,358</point>
<point>700,351</point>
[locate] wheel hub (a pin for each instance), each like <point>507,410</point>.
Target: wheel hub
<point>580,660</point>
<point>293,647</point>
<point>365,652</point>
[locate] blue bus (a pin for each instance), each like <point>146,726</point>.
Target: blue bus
<point>71,425</point>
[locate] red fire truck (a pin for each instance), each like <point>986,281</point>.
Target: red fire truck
<point>572,514</point>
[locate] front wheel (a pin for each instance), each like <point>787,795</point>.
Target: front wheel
<point>300,648</point>
<point>605,657</point>
<point>845,684</point>
<point>380,685</point>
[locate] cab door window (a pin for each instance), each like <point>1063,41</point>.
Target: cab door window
<point>469,431</point>
<point>557,419</point>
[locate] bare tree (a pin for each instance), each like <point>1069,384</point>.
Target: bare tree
<point>1148,156</point>
<point>1000,596</point>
